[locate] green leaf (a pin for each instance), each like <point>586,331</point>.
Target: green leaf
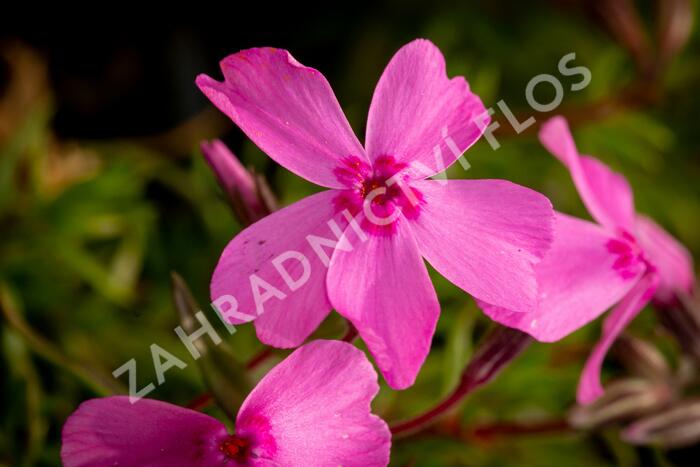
<point>22,368</point>
<point>102,383</point>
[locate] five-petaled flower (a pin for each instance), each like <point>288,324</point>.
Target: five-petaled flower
<point>626,259</point>
<point>311,409</point>
<point>483,235</point>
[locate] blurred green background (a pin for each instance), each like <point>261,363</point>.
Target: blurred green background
<point>103,192</point>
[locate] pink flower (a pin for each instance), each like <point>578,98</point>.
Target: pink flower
<point>626,258</point>
<point>311,409</point>
<point>482,235</point>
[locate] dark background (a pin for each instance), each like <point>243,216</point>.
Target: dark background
<point>103,192</point>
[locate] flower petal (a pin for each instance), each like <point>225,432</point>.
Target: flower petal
<point>606,193</point>
<point>672,260</point>
<point>416,108</point>
<point>287,109</point>
<point>284,317</point>
<point>383,287</point>
<point>589,387</point>
<point>149,433</point>
<point>314,409</point>
<point>577,282</point>
<point>485,236</point>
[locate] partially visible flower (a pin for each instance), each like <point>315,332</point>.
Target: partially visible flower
<point>682,320</point>
<point>311,409</point>
<point>483,235</point>
<point>247,193</point>
<point>623,400</point>
<point>675,427</point>
<point>626,258</point>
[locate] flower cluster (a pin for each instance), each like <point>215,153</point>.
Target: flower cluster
<point>360,248</point>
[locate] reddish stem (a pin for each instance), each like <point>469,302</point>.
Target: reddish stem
<point>497,350</point>
<point>498,430</point>
<point>201,402</point>
<point>487,433</point>
<point>350,334</point>
<point>259,358</point>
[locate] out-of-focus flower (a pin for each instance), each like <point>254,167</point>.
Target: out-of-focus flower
<point>311,409</point>
<point>247,192</point>
<point>675,427</point>
<point>626,258</point>
<point>484,235</point>
<point>623,400</point>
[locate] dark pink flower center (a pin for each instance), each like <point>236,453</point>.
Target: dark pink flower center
<point>630,256</point>
<point>234,447</point>
<point>380,192</point>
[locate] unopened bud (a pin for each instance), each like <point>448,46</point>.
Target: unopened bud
<point>674,26</point>
<point>496,350</point>
<point>642,359</point>
<point>626,26</point>
<point>674,427</point>
<point>248,193</point>
<point>682,320</point>
<point>622,400</point>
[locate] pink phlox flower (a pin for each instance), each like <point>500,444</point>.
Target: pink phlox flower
<point>311,409</point>
<point>289,269</point>
<point>623,258</point>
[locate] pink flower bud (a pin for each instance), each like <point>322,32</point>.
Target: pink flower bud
<point>245,190</point>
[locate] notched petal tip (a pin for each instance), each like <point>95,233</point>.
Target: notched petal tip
<point>422,46</point>
<point>317,408</point>
<point>263,54</point>
<point>287,109</point>
<point>204,81</point>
